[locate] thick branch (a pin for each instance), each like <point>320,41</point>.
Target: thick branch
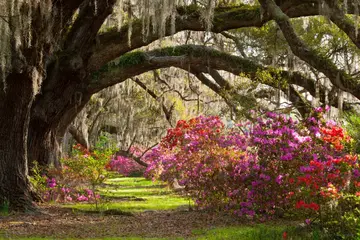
<point>87,25</point>
<point>63,11</point>
<point>220,80</point>
<point>201,58</point>
<point>127,154</point>
<point>114,43</point>
<point>167,112</point>
<point>338,77</point>
<point>338,17</point>
<point>78,136</point>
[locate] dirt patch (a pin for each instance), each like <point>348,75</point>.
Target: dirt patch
<point>58,222</point>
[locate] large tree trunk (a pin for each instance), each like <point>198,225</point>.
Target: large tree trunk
<point>15,103</point>
<point>46,131</point>
<point>43,145</point>
<point>61,97</point>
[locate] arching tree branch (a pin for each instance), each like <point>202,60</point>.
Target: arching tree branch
<point>185,56</point>
<point>114,42</point>
<point>338,16</point>
<point>199,58</point>
<point>338,77</point>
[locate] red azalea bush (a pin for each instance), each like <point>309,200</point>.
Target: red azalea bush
<point>271,166</point>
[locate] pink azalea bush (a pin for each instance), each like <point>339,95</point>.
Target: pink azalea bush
<point>76,181</point>
<point>127,166</point>
<point>61,193</point>
<point>268,167</point>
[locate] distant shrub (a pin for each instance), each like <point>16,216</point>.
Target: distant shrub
<point>127,166</point>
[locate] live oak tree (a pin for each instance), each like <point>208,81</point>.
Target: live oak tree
<point>139,110</point>
<point>53,59</point>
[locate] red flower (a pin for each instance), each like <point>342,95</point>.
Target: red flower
<point>284,236</point>
<point>300,204</point>
<point>314,206</point>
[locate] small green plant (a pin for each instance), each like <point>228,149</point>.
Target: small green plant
<point>89,167</point>
<point>77,181</point>
<point>4,208</point>
<point>105,143</point>
<point>342,221</point>
<point>352,126</point>
<point>37,179</point>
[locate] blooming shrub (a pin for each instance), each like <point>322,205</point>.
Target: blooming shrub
<point>275,166</point>
<point>77,180</point>
<point>127,166</point>
<point>50,190</point>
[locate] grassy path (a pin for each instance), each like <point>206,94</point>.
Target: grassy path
<point>139,209</point>
<point>135,194</point>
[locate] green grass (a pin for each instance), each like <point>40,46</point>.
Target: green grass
<point>4,209</point>
<point>257,232</point>
<point>137,194</point>
<point>156,196</point>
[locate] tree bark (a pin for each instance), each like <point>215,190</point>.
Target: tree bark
<point>15,105</point>
<point>46,134</point>
<point>60,100</point>
<point>44,145</point>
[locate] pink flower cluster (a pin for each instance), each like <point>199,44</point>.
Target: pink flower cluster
<point>126,166</point>
<point>259,167</point>
<point>56,193</point>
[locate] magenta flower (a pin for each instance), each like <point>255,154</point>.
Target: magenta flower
<point>69,199</point>
<point>278,179</point>
<point>82,198</point>
<point>51,183</point>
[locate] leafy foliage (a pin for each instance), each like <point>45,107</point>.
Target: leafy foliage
<point>274,166</point>
<point>352,126</point>
<point>77,180</point>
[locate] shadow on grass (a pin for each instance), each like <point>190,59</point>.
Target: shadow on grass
<point>123,186</point>
<point>122,198</point>
<point>135,194</point>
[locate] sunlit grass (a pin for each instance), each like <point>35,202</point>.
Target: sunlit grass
<point>139,194</point>
<point>136,194</point>
<point>258,232</point>
<point>255,232</point>
<point>133,182</point>
<point>152,203</point>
